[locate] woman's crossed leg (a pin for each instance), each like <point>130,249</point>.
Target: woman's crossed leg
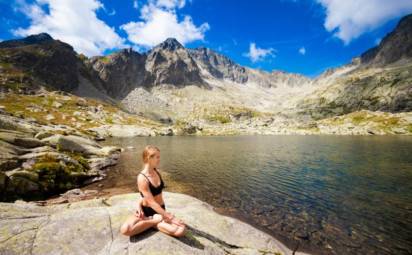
<point>135,225</point>
<point>172,228</point>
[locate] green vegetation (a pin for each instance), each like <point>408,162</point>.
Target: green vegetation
<point>51,173</point>
<point>409,128</point>
<point>180,123</point>
<point>80,158</point>
<point>219,118</point>
<point>383,119</point>
<point>12,77</point>
<point>105,59</point>
<point>224,113</point>
<point>82,57</point>
<point>38,107</point>
<point>54,175</point>
<point>322,100</point>
<point>109,120</point>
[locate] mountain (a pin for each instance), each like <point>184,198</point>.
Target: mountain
<point>173,82</point>
<point>218,66</point>
<point>170,63</point>
<point>124,69</point>
<point>395,46</point>
<point>39,60</point>
<point>379,80</point>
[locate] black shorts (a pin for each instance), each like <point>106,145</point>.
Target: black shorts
<point>148,211</point>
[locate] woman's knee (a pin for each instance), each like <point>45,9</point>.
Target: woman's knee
<point>181,231</point>
<point>127,226</point>
<point>125,229</point>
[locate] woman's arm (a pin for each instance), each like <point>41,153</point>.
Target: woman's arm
<point>139,209</point>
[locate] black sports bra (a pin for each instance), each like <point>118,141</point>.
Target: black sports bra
<point>154,190</point>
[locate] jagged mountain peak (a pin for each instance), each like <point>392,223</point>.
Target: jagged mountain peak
<point>128,51</point>
<point>169,44</point>
<point>394,46</point>
<point>218,65</point>
<point>31,39</point>
<point>207,53</point>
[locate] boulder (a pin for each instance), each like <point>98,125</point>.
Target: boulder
<point>116,130</point>
<point>43,134</point>
<point>20,139</point>
<point>93,227</point>
<point>22,185</point>
<point>79,144</point>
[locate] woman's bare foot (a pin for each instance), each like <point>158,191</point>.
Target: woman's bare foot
<point>156,218</point>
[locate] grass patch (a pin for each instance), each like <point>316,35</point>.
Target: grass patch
<point>223,113</point>
<point>105,59</point>
<point>25,105</point>
<point>109,120</point>
<point>80,158</point>
<point>409,128</point>
<point>219,118</point>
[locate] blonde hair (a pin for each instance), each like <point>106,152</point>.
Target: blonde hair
<point>148,152</point>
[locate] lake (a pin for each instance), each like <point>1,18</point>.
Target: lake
<point>320,194</point>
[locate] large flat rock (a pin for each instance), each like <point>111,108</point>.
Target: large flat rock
<point>93,227</point>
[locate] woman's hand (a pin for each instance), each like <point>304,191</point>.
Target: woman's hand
<point>167,217</point>
<point>139,213</point>
<point>178,222</point>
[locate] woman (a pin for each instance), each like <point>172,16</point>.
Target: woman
<point>151,210</point>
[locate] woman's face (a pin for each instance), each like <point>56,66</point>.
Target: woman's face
<point>155,160</point>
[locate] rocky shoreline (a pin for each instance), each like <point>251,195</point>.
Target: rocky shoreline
<point>44,153</point>
<point>42,160</point>
<point>93,227</point>
<point>363,122</point>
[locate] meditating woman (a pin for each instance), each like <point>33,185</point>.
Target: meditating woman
<point>151,209</point>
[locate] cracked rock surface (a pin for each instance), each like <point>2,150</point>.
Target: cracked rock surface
<point>93,227</point>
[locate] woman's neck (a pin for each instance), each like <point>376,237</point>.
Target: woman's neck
<point>149,170</point>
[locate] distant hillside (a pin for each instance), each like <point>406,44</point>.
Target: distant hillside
<point>181,84</point>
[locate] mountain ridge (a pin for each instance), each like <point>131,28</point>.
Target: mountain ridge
<point>171,80</point>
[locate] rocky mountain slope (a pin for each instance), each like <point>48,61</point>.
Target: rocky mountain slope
<point>396,46</point>
<point>379,80</point>
<point>39,60</point>
<point>196,88</point>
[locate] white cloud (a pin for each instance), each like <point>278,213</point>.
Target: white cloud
<point>170,4</point>
<point>302,51</point>
<point>256,54</point>
<point>113,12</point>
<point>349,19</point>
<point>74,22</point>
<point>135,4</point>
<point>160,21</point>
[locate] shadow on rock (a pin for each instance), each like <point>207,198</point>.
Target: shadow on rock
<point>188,239</point>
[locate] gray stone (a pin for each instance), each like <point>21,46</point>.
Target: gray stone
<point>93,227</point>
<point>42,135</point>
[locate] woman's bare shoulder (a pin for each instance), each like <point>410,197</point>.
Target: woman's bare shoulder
<point>140,176</point>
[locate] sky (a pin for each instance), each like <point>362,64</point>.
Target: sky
<point>299,36</point>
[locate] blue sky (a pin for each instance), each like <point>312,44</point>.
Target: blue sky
<point>301,36</point>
